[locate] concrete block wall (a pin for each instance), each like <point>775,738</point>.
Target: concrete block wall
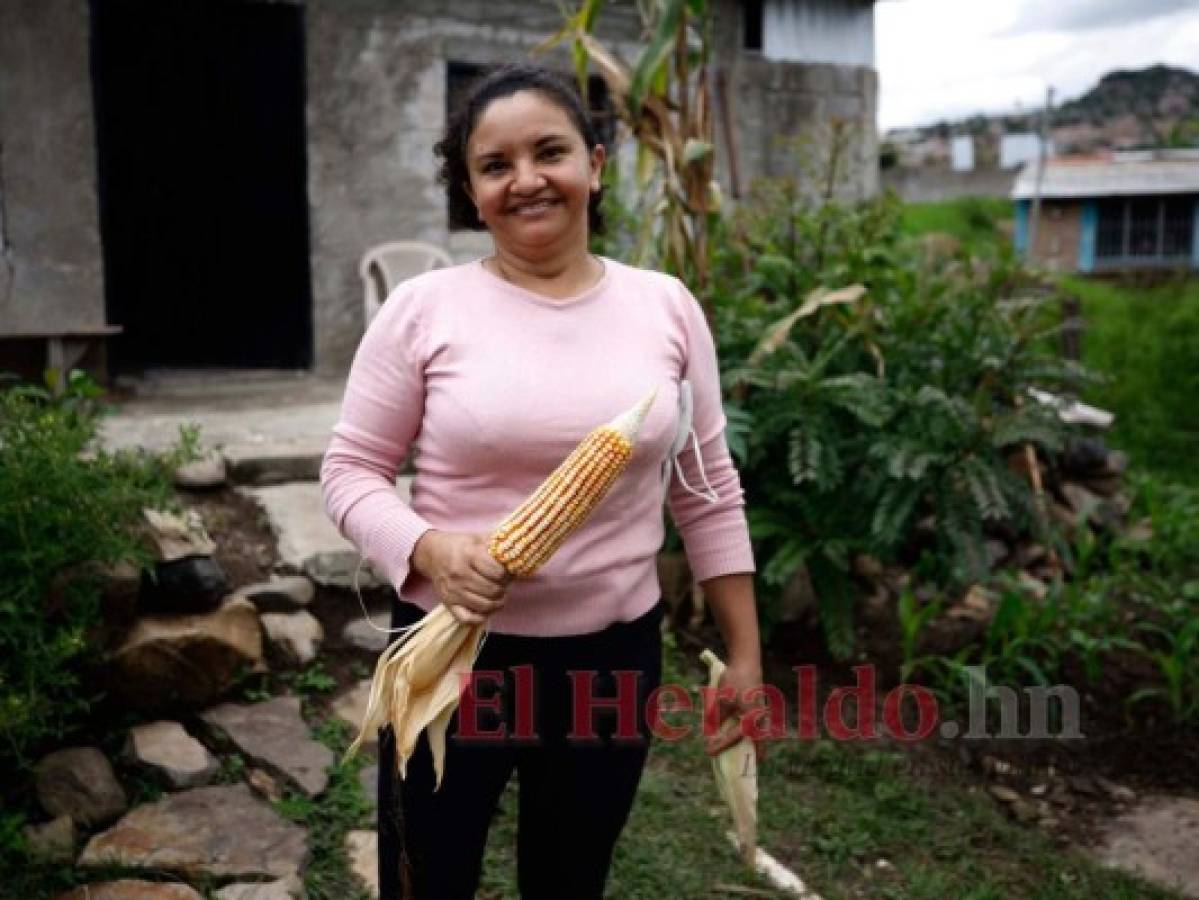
<point>50,264</point>
<point>376,106</point>
<point>784,114</point>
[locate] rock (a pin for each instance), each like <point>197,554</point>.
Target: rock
<point>119,592</point>
<point>1095,509</point>
<point>284,889</point>
<point>307,540</point>
<point>1156,839</point>
<point>798,598</point>
<point>1039,790</point>
<point>1116,463</point>
<point>368,778</point>
<point>178,536</point>
<point>194,584</point>
<point>1023,811</point>
<point>976,606</point>
<point>868,567</point>
<point>1085,456</point>
<point>1030,554</point>
<point>350,707</point>
<point>1141,532</point>
<point>359,634</point>
<point>1063,516</point>
<point>190,660</point>
<point>1033,587</point>
<point>1117,792</point>
<point>294,637</point>
<point>283,593</point>
<point>362,848</point>
<point>1103,487</point>
<point>996,552</point>
<point>204,474</point>
<point>79,782</point>
<point>897,579</point>
<point>53,841</point>
<point>208,832</point>
<point>172,753</point>
<point>274,463</point>
<point>1003,794</point>
<point>273,734</point>
<point>994,766</point>
<point>1080,500</point>
<point>264,784</point>
<point>131,889</point>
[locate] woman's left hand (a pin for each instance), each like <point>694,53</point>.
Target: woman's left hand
<point>741,677</point>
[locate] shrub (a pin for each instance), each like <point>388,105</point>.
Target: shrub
<point>64,507</point>
<point>858,416</point>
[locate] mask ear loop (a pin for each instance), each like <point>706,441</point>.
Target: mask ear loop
<point>404,629</point>
<point>709,493</point>
<point>686,408</point>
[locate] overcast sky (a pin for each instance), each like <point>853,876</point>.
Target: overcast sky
<point>944,59</point>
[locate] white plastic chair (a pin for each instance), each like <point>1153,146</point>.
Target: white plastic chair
<point>386,265</point>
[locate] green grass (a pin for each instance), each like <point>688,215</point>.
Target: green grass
<point>830,813</point>
<point>1145,340</point>
<point>972,220</point>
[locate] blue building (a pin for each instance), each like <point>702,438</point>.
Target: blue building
<point>1123,211</point>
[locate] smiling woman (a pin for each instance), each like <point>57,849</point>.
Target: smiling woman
<point>521,159</point>
<point>493,371</point>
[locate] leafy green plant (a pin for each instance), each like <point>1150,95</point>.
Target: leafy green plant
<point>67,509</point>
<point>1176,656</point>
<point>913,620</point>
<point>314,680</point>
<point>876,400</point>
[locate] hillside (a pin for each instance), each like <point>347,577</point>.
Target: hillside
<point>1156,93</point>
<point>1128,109</point>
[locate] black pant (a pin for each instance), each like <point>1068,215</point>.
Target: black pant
<point>576,790</point>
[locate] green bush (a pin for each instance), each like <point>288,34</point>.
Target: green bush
<point>1145,339</point>
<point>882,424</point>
<point>66,508</point>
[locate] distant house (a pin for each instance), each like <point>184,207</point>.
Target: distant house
<point>1021,148</point>
<point>206,175</point>
<point>1118,212</point>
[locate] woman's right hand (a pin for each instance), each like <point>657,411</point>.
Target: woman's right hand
<point>465,576</point>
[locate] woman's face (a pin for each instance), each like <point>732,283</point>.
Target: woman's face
<point>531,173</point>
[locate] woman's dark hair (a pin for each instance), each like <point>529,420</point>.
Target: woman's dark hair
<point>496,85</point>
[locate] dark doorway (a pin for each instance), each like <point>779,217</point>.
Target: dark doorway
<point>202,174</point>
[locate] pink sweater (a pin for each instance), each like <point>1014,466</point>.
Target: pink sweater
<point>490,387</point>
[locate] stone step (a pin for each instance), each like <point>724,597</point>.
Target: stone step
<point>307,540</point>
<point>272,462</point>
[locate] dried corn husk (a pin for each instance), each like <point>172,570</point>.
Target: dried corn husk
<point>736,771</point>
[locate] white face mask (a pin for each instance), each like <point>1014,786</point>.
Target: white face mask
<point>684,430</point>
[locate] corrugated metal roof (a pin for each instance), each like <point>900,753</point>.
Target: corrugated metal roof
<point>1118,176</point>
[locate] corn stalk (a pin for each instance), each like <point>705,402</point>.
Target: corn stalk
<point>664,100</point>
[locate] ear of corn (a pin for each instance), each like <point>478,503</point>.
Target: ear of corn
<point>736,771</point>
<point>418,679</point>
<point>532,534</point>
